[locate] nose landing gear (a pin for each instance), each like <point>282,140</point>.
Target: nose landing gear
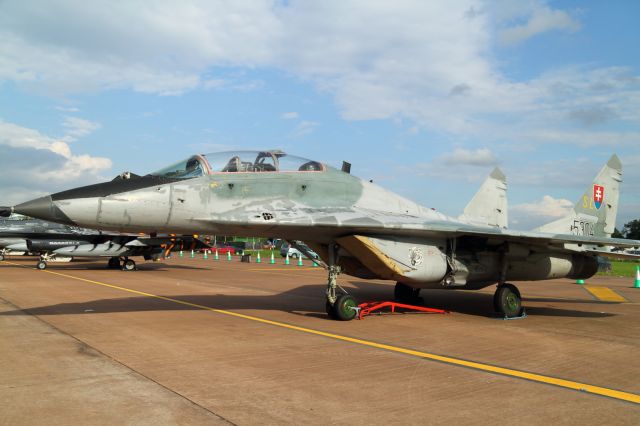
<point>343,307</point>
<point>44,258</point>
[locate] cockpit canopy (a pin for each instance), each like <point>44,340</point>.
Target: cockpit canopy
<point>238,162</point>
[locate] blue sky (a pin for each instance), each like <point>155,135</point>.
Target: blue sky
<point>425,98</point>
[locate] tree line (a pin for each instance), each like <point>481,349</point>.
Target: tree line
<point>630,230</point>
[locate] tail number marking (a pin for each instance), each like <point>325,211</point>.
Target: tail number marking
<point>581,227</point>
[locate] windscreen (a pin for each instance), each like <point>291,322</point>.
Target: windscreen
<point>185,169</point>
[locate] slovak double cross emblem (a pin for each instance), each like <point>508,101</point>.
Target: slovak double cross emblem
<point>598,195</point>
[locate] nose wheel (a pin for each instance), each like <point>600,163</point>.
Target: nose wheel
<point>44,258</point>
<point>344,309</point>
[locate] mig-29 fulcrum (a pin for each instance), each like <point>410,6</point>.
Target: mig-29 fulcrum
<point>354,225</point>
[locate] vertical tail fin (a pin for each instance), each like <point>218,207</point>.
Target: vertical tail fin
<point>489,205</point>
<point>595,212</point>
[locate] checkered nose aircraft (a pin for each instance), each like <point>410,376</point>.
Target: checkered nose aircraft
<point>355,226</point>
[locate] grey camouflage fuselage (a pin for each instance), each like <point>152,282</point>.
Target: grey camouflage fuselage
<point>377,234</point>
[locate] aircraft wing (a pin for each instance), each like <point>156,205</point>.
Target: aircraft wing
<point>313,224</point>
<point>616,255</point>
<point>157,241</point>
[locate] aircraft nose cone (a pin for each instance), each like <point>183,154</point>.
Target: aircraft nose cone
<point>43,208</point>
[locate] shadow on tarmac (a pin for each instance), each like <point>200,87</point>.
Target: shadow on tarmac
<point>307,300</point>
<point>97,265</point>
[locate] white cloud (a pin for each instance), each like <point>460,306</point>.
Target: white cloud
<point>478,157</point>
<point>77,128</point>
<point>547,207</point>
<point>304,128</point>
<point>533,215</point>
<point>66,109</point>
<point>542,19</point>
<point>465,165</point>
<point>432,63</point>
<point>163,48</point>
<point>78,166</point>
<point>21,137</point>
<point>231,84</point>
<point>16,136</point>
<point>289,115</point>
<point>37,163</point>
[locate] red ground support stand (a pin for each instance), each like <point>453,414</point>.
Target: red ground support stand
<point>368,307</point>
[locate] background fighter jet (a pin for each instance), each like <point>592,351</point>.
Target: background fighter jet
<point>355,226</point>
<point>51,240</point>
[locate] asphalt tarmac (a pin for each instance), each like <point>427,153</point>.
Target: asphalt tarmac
<point>195,341</point>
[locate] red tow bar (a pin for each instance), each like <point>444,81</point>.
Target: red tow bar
<point>368,307</point>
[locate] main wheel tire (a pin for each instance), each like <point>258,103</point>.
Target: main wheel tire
<point>405,293</point>
<point>329,308</point>
<point>344,307</point>
<point>507,301</point>
<point>114,263</point>
<point>42,265</point>
<point>128,265</point>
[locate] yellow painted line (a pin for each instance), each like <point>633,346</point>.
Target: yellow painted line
<point>568,384</point>
<point>605,294</point>
<point>290,268</point>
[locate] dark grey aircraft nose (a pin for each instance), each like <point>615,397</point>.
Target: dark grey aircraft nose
<point>43,208</point>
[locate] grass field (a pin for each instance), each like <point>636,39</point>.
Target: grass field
<point>622,269</point>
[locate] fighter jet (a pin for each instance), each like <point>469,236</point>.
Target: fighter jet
<point>53,241</point>
<point>354,225</point>
<point>15,231</point>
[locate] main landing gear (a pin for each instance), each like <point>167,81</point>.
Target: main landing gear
<point>114,263</point>
<point>507,301</point>
<point>126,265</point>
